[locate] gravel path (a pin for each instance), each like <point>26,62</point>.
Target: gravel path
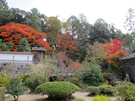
<point>34,97</point>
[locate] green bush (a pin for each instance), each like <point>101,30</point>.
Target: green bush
<point>15,87</point>
<point>2,93</point>
<point>92,75</point>
<point>57,90</point>
<point>32,82</point>
<point>106,89</point>
<point>75,81</point>
<point>125,91</point>
<point>79,99</point>
<point>101,98</point>
<point>93,90</point>
<point>108,78</point>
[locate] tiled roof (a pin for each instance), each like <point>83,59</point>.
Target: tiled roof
<point>129,56</point>
<point>38,48</point>
<point>11,52</point>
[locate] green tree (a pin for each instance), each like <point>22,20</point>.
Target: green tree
<point>15,88</point>
<point>35,21</point>
<point>24,45</point>
<point>3,5</point>
<point>20,16</point>
<point>100,32</point>
<point>53,29</point>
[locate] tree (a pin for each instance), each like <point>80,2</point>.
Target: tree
<point>66,44</point>
<point>15,88</point>
<point>96,50</point>
<point>100,32</point>
<point>24,45</point>
<point>130,20</point>
<point>20,16</point>
<point>35,21</point>
<point>53,28</point>
<point>114,50</point>
<point>13,33</point>
<point>3,5</point>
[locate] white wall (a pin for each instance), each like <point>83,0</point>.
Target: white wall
<point>16,57</point>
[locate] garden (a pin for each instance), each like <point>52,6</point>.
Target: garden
<point>58,78</point>
<point>80,61</point>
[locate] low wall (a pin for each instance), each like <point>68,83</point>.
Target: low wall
<point>14,69</point>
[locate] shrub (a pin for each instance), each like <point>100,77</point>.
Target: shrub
<point>34,81</point>
<point>101,98</point>
<point>15,88</point>
<point>125,91</point>
<point>93,90</point>
<point>106,89</point>
<point>4,79</point>
<point>92,73</point>
<point>108,78</point>
<point>75,81</point>
<point>57,90</point>
<point>2,93</point>
<point>79,99</point>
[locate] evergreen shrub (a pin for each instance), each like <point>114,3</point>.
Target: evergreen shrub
<point>93,90</point>
<point>57,90</point>
<point>106,89</point>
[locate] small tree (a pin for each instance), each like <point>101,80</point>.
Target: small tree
<point>15,88</point>
<point>24,45</point>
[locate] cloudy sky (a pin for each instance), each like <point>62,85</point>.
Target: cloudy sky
<point>112,11</point>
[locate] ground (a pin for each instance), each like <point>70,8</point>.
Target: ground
<point>33,97</point>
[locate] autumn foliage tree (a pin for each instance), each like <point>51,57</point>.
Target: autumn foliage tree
<point>114,50</point>
<point>67,44</point>
<point>13,33</point>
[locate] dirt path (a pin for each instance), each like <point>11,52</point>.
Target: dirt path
<point>34,97</point>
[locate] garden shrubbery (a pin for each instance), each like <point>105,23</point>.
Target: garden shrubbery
<point>106,89</point>
<point>57,90</point>
<point>125,91</point>
<point>93,90</point>
<point>34,81</point>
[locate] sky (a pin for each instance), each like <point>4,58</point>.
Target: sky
<point>112,11</point>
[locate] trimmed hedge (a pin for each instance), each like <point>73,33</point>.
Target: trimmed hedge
<point>93,90</point>
<point>106,89</point>
<point>2,93</point>
<point>57,90</point>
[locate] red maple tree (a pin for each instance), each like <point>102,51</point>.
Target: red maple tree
<point>114,51</point>
<point>13,33</point>
<point>67,44</point>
